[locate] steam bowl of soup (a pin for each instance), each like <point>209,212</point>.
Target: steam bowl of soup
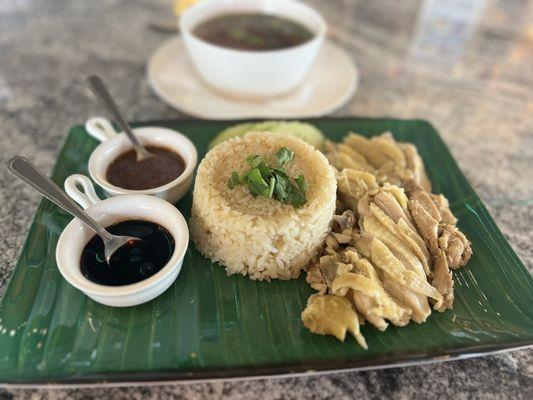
<point>252,48</point>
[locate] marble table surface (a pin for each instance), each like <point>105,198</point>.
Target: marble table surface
<point>464,65</point>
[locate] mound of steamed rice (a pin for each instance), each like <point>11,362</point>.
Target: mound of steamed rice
<point>260,236</point>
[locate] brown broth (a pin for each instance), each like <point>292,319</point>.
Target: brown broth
<point>128,173</point>
<point>253,31</point>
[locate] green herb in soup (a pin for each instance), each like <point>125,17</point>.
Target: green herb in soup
<point>272,181</point>
<point>252,32</point>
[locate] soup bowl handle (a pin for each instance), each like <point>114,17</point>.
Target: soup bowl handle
<point>85,198</point>
<point>100,129</point>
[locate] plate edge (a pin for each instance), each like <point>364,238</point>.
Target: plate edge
<point>263,372</point>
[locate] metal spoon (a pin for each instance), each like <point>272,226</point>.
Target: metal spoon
<point>100,90</point>
<point>29,173</point>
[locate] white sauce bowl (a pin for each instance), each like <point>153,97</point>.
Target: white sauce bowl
<point>114,144</point>
<point>252,73</point>
<point>107,212</point>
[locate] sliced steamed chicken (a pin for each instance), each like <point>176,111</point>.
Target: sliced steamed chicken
<point>332,315</point>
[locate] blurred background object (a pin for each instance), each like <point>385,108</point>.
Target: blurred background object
<point>169,24</point>
<point>181,5</point>
<point>442,29</point>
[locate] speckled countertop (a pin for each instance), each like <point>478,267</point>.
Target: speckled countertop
<point>464,65</point>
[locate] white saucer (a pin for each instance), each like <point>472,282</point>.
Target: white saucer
<point>329,85</point>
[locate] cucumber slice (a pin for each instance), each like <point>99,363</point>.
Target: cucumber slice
<point>304,131</point>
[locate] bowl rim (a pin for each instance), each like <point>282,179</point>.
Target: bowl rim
<point>318,35</point>
<point>92,288</point>
<point>143,133</point>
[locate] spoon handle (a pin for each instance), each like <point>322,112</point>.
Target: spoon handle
<point>100,90</point>
<point>29,173</point>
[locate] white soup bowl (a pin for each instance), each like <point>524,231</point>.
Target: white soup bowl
<point>246,73</point>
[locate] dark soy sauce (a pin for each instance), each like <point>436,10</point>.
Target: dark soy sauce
<point>128,173</point>
<point>253,31</point>
<point>132,262</point>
